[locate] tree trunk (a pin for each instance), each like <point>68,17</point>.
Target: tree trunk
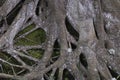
<point>59,39</point>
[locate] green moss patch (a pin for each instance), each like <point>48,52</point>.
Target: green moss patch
<point>34,38</point>
<point>36,53</point>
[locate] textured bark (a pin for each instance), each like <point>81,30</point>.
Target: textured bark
<point>87,31</point>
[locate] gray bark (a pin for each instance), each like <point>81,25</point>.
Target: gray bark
<point>97,23</point>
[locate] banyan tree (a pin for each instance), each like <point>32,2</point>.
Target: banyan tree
<point>59,39</point>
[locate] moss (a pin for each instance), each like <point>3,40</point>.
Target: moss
<point>6,67</point>
<point>3,56</point>
<point>36,53</point>
<point>36,37</point>
<point>26,29</point>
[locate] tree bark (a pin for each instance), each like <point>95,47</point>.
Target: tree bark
<point>86,33</point>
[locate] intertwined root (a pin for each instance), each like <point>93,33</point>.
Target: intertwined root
<point>58,40</point>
